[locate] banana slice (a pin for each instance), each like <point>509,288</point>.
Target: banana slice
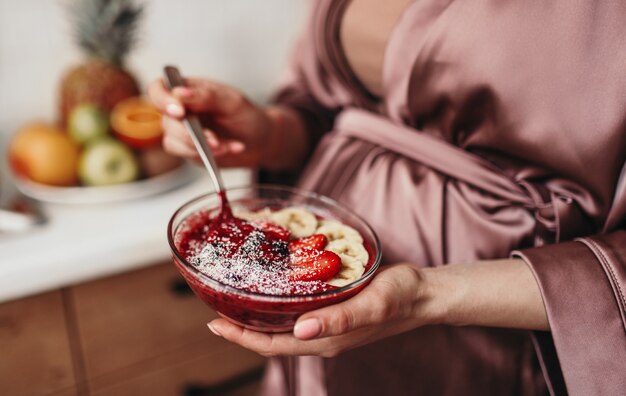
<point>351,270</point>
<point>354,258</point>
<point>335,230</point>
<point>248,215</point>
<point>299,221</point>
<point>354,250</point>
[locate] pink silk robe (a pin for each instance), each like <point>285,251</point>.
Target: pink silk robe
<point>501,131</point>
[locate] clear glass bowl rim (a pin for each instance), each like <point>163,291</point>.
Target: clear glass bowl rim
<point>270,297</point>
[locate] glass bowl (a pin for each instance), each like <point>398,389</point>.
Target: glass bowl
<point>264,312</point>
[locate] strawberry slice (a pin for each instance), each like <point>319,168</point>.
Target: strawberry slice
<point>314,265</point>
<point>315,241</point>
<point>272,229</point>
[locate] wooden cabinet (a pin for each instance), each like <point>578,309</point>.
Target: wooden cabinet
<point>133,334</point>
<point>35,355</point>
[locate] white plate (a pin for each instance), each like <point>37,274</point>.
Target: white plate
<point>106,194</point>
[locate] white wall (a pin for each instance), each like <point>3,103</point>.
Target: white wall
<point>243,42</point>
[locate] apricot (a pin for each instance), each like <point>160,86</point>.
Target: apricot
<point>45,154</point>
<point>137,123</point>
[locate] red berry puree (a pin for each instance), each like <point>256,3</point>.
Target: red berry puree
<point>245,255</point>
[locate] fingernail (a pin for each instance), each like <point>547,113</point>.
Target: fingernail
<point>237,147</point>
<point>212,140</point>
<point>183,92</point>
<point>214,330</point>
<point>307,329</point>
<point>174,109</point>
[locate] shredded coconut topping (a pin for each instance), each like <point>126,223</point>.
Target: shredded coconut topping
<point>258,264</point>
<point>241,254</point>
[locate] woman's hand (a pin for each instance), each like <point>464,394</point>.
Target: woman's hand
<point>239,132</point>
<point>394,302</point>
<point>499,293</point>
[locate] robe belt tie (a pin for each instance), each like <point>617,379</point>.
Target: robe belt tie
<point>550,209</point>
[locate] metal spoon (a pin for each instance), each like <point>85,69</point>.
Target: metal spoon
<point>174,79</point>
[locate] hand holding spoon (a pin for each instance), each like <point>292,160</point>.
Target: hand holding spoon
<point>172,80</point>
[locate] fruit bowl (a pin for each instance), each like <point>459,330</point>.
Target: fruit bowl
<point>107,194</point>
<point>253,310</point>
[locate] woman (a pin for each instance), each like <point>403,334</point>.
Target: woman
<point>479,139</point>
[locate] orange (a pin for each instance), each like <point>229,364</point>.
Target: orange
<point>45,154</point>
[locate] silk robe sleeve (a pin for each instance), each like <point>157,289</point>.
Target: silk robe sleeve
<point>302,90</point>
<point>583,285</point>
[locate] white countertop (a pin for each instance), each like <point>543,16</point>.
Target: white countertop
<point>83,242</point>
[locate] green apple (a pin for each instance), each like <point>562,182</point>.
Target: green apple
<point>86,123</point>
<point>107,161</point>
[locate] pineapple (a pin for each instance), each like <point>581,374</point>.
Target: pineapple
<point>105,31</point>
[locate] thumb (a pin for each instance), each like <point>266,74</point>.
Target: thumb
<point>362,310</point>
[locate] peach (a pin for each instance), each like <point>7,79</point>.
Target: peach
<point>154,161</point>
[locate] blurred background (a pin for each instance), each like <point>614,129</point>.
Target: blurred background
<point>89,301</point>
<point>242,42</point>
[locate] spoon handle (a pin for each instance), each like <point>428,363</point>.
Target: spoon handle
<point>173,79</point>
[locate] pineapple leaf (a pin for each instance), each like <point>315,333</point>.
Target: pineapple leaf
<point>105,29</point>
